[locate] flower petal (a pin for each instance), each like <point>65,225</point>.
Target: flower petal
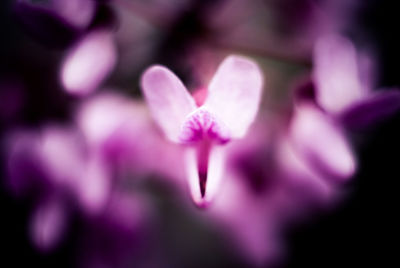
<point>95,186</point>
<point>321,142</point>
<point>336,74</point>
<point>203,197</point>
<point>235,93</point>
<point>370,110</point>
<point>89,63</point>
<point>168,99</point>
<point>48,224</point>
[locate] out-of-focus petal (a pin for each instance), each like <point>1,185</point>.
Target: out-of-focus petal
<point>94,186</point>
<point>168,99</point>
<point>48,224</point>
<point>299,176</point>
<point>322,142</point>
<point>248,220</point>
<point>235,93</point>
<point>76,12</point>
<point>336,74</point>
<point>100,117</point>
<point>62,155</point>
<point>377,106</point>
<point>88,63</point>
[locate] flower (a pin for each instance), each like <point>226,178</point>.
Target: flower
<point>231,105</point>
<point>322,142</point>
<point>344,81</point>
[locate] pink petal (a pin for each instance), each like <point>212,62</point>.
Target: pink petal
<point>62,154</point>
<point>248,220</point>
<point>77,12</point>
<point>94,186</point>
<point>213,173</point>
<point>300,176</point>
<point>100,117</point>
<point>235,93</point>
<point>168,99</point>
<point>321,142</point>
<point>89,63</point>
<point>336,74</point>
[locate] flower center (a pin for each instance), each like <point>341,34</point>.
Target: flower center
<point>202,125</point>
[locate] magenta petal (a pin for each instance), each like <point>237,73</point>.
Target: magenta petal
<point>89,63</point>
<point>48,224</point>
<point>372,109</point>
<point>235,93</point>
<point>24,168</point>
<point>168,99</point>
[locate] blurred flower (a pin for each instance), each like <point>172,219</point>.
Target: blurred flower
<point>322,142</point>
<point>343,84</point>
<point>272,185</point>
<point>229,109</point>
<point>67,167</point>
<point>121,130</point>
<point>264,164</point>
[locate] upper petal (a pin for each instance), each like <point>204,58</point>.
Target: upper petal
<point>336,74</point>
<point>235,93</point>
<point>168,99</point>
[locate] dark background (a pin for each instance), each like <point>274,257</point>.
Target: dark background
<point>359,232</point>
